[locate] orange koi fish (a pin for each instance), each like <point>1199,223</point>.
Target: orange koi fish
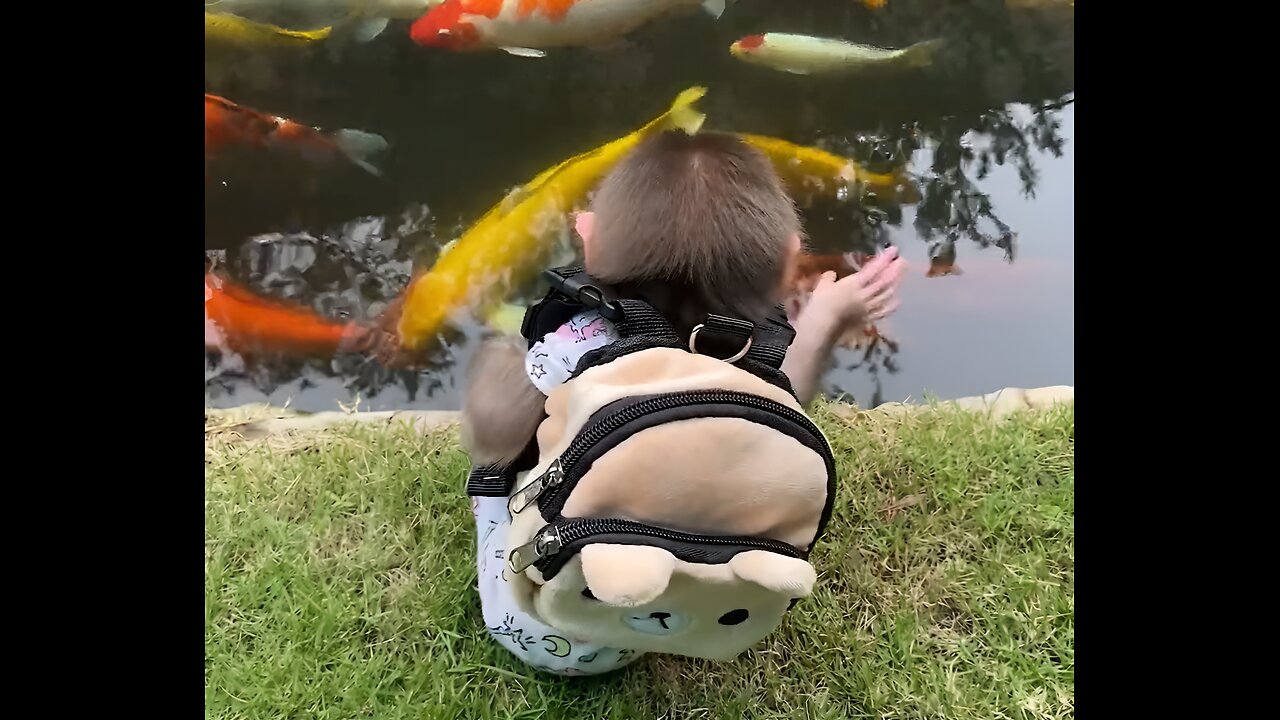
<point>942,260</point>
<point>228,125</point>
<point>246,322</point>
<point>525,27</point>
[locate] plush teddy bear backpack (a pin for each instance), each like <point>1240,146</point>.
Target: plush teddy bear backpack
<point>675,489</point>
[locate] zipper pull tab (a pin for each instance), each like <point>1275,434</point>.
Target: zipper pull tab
<point>526,495</point>
<point>545,544</point>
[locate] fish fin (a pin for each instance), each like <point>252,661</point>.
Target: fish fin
<point>368,29</point>
<point>922,54</point>
<point>524,52</point>
<point>943,269</point>
<point>714,8</point>
<point>505,318</point>
<point>353,29</point>
<point>315,35</point>
<point>512,199</point>
<point>359,146</point>
<point>683,115</point>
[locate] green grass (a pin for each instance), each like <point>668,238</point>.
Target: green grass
<point>340,573</point>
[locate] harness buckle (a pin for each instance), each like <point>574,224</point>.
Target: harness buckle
<point>728,326</point>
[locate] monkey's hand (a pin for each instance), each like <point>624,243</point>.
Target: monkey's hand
<point>859,299</point>
<point>834,309</point>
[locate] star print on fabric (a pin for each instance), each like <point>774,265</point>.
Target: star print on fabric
<point>517,635</point>
<point>538,371</point>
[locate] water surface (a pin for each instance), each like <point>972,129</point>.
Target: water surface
<point>988,133</point>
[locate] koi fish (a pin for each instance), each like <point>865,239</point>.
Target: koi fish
<point>373,15</point>
<point>810,172</point>
<point>805,54</point>
<point>235,30</point>
<point>508,245</point>
<point>525,27</point>
<point>227,124</point>
<point>506,318</point>
<point>942,260</point>
<point>247,322</point>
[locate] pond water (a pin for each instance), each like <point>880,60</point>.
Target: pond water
<point>987,132</point>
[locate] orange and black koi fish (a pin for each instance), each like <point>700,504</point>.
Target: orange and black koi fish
<point>228,125</point>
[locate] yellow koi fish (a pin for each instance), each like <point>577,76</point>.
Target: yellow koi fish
<point>235,30</point>
<point>509,245</point>
<point>810,173</point>
<point>505,318</point>
<point>807,55</point>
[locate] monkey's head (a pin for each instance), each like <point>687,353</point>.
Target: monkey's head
<point>696,223</point>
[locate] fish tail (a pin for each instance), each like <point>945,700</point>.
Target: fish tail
<point>715,8</point>
<point>309,35</point>
<point>368,29</point>
<point>360,147</point>
<point>683,115</point>
<point>923,53</point>
<point>940,269</point>
<point>358,28</point>
<point>319,34</point>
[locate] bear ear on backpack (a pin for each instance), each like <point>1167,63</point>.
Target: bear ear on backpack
<point>775,572</point>
<point>627,575</point>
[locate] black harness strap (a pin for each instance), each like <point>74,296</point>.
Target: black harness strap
<point>497,480</point>
<point>758,349</point>
<point>642,327</point>
<point>491,481</point>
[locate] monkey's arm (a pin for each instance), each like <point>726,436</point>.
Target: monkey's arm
<point>501,408</point>
<point>810,353</point>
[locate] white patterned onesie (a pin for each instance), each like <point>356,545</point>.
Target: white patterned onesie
<point>549,362</point>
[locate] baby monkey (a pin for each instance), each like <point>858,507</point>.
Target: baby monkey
<point>694,224</point>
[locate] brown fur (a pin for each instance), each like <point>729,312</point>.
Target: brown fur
<point>695,224</point>
<point>501,408</point>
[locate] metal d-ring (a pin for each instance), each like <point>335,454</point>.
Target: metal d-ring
<point>693,345</point>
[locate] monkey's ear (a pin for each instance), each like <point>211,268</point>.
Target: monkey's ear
<point>585,223</point>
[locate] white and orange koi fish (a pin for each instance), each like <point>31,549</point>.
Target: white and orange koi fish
<point>526,27</point>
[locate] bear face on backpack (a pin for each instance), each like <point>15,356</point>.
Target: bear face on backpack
<point>674,497</point>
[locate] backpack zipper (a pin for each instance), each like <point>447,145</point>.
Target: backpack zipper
<point>546,550</point>
<point>565,472</point>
